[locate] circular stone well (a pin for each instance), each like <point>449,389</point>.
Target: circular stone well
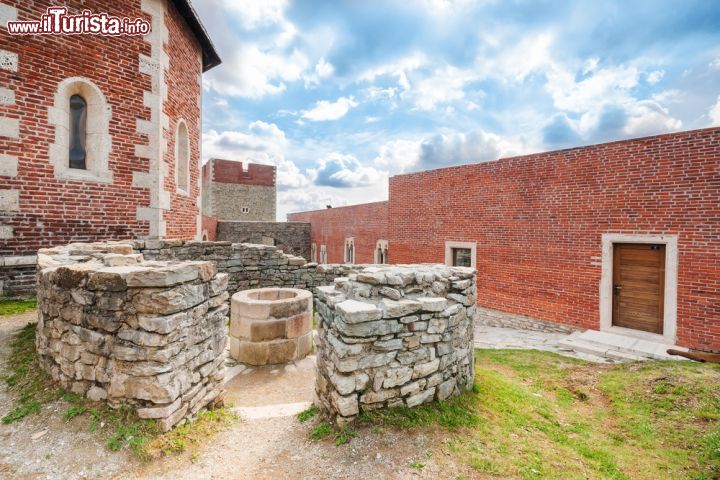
<point>271,325</point>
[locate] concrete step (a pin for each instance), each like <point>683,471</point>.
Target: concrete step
<point>618,347</point>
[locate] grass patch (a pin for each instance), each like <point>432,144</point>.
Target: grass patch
<point>320,431</point>
<point>14,306</point>
<point>121,427</point>
<point>190,434</point>
<point>25,377</point>
<point>452,415</point>
<point>344,435</point>
<point>541,415</point>
<point>308,413</point>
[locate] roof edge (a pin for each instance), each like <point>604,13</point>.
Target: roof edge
<point>210,57</point>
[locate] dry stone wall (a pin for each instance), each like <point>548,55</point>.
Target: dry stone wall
<point>393,336</point>
<point>248,265</point>
<point>113,326</point>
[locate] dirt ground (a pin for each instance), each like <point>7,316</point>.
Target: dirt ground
<point>267,443</point>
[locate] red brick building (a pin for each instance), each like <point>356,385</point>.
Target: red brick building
<point>619,237</point>
<point>354,234</point>
<point>99,134</point>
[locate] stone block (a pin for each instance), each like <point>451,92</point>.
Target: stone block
<point>299,325</point>
<point>354,312</point>
<point>267,330</point>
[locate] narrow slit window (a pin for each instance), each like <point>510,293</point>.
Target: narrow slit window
<point>78,132</point>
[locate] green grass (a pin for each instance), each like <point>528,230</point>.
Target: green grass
<point>120,427</point>
<point>307,414</point>
<point>535,414</point>
<point>13,306</point>
<point>320,431</point>
<point>540,415</point>
<point>26,378</point>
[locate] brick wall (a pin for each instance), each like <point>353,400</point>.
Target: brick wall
<point>234,193</point>
<point>290,237</point>
<point>366,223</point>
<point>38,209</point>
<point>538,222</point>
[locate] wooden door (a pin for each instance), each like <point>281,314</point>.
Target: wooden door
<point>639,286</point>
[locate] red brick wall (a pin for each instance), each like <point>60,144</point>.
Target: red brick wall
<point>56,211</point>
<point>183,103</point>
<point>230,171</point>
<point>538,222</point>
<point>367,223</point>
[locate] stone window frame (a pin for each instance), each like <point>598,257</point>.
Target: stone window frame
<point>323,254</point>
<point>380,245</point>
<point>244,209</point>
<point>98,143</point>
<point>349,242</point>
<point>449,246</point>
<point>669,335</point>
<point>313,253</point>
<point>182,162</point>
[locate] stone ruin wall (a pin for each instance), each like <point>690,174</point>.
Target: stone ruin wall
<point>248,265</point>
<point>113,326</point>
<point>394,336</point>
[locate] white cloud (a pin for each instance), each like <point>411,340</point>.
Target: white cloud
<point>263,143</point>
<point>715,64</point>
<point>714,114</point>
<point>325,111</point>
<point>442,86</point>
<point>654,77</point>
<point>345,171</point>
<point>444,150</point>
<point>254,73</point>
<point>323,69</point>
<point>648,118</point>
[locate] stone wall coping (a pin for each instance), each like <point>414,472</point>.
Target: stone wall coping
<point>18,261</point>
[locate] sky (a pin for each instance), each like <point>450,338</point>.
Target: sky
<point>341,95</point>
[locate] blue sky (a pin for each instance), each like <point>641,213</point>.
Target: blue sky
<point>340,95</point>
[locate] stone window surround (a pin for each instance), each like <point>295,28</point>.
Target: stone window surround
<point>349,241</point>
<point>323,254</point>
<point>380,244</point>
<point>182,189</point>
<point>313,253</point>
<point>671,285</point>
<point>98,141</point>
<point>449,246</point>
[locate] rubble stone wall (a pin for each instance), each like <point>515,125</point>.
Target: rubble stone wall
<point>113,326</point>
<point>248,265</point>
<point>394,336</point>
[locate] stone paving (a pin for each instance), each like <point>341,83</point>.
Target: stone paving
<point>512,338</point>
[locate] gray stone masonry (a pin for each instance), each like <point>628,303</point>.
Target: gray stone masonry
<point>290,237</point>
<point>248,265</point>
<point>115,327</point>
<point>496,318</point>
<point>394,336</point>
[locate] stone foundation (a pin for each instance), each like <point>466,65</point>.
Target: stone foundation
<point>114,327</point>
<point>393,336</point>
<point>271,325</point>
<point>496,318</point>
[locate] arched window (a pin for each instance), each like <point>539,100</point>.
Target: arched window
<point>80,116</point>
<point>78,132</point>
<point>323,254</point>
<point>182,158</point>
<point>381,251</point>
<point>350,250</point>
